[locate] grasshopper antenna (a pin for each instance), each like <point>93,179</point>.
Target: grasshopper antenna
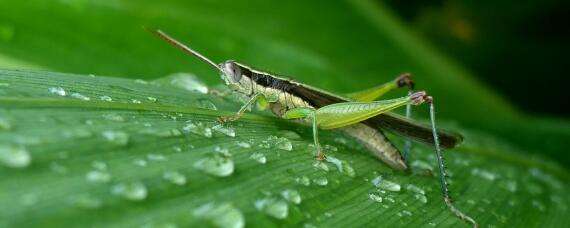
<point>183,47</point>
<point>442,173</point>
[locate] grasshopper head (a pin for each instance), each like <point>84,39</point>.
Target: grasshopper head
<point>231,74</point>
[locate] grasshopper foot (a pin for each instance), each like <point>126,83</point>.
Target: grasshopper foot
<point>227,119</point>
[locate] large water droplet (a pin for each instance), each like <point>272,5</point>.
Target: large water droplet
<point>422,198</point>
<point>216,165</point>
<point>174,177</point>
<point>118,138</point>
<point>375,197</point>
<point>387,185</point>
<point>259,157</point>
<point>221,215</point>
<point>292,196</point>
<point>303,180</point>
<point>80,96</point>
<point>14,156</point>
<point>273,207</point>
<point>198,128</point>
<point>416,189</point>
<point>322,181</point>
<point>57,91</point>
<point>133,191</point>
<point>342,166</point>
<point>422,165</point>
<point>226,130</point>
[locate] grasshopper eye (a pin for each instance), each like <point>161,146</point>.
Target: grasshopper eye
<point>236,73</point>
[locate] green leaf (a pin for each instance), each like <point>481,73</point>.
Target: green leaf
<point>79,151</point>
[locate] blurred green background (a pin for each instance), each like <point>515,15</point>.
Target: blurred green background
<point>483,62</point>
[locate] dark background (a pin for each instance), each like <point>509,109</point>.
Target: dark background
<point>519,48</point>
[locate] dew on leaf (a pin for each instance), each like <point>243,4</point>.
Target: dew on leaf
<point>140,162</point>
<point>206,104</point>
<point>132,191</point>
<point>283,144</point>
<point>5,125</point>
<point>387,185</point>
<point>292,196</point>
<point>152,99</point>
<point>342,166</point>
<point>98,176</point>
<point>375,197</point>
<point>198,128</point>
<point>259,157</point>
<point>80,96</point>
<point>222,215</point>
<point>243,144</point>
<point>86,201</point>
<point>274,207</point>
<point>322,181</point>
<point>303,180</point>
<point>174,177</point>
<point>186,81</point>
<point>226,130</point>
<point>113,117</point>
<point>14,156</point>
<point>57,91</point>
<point>216,165</point>
<point>135,101</point>
<point>321,165</point>
<point>106,98</point>
<point>118,138</point>
<point>416,189</point>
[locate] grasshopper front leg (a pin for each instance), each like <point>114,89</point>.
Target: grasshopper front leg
<point>239,113</point>
<point>348,113</point>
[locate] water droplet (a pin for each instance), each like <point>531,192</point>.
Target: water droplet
<point>99,165</point>
<point>406,212</point>
<point>284,144</point>
<point>341,140</point>
<point>322,181</point>
<point>221,215</point>
<point>546,178</point>
<point>216,165</point>
<point>342,166</point>
<point>206,104</point>
<point>292,196</point>
<point>375,197</point>
<point>387,185</point>
<point>538,205</point>
<point>303,180</point>
<point>141,81</point>
<point>186,81</point>
<point>98,176</point>
<point>484,174</point>
<point>264,144</point>
<point>5,125</point>
<point>416,189</point>
<point>222,151</point>
<point>321,165</point>
<point>198,128</point>
<point>106,98</point>
<point>77,133</point>
<point>177,148</point>
<point>156,157</point>
<point>86,201</point>
<point>80,96</point>
<point>259,157</point>
<point>135,101</point>
<point>422,165</point>
<point>118,138</point>
<point>308,225</point>
<point>152,99</point>
<point>226,130</point>
<point>422,198</point>
<point>57,168</point>
<point>133,191</point>
<point>330,148</point>
<point>174,177</point>
<point>140,162</point>
<point>510,185</point>
<point>14,156</point>
<point>113,117</point>
<point>274,207</point>
<point>289,134</point>
<point>243,144</point>
<point>57,91</point>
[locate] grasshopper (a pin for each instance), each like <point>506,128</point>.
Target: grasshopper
<point>358,114</point>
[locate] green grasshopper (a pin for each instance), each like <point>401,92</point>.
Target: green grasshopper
<point>358,114</point>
